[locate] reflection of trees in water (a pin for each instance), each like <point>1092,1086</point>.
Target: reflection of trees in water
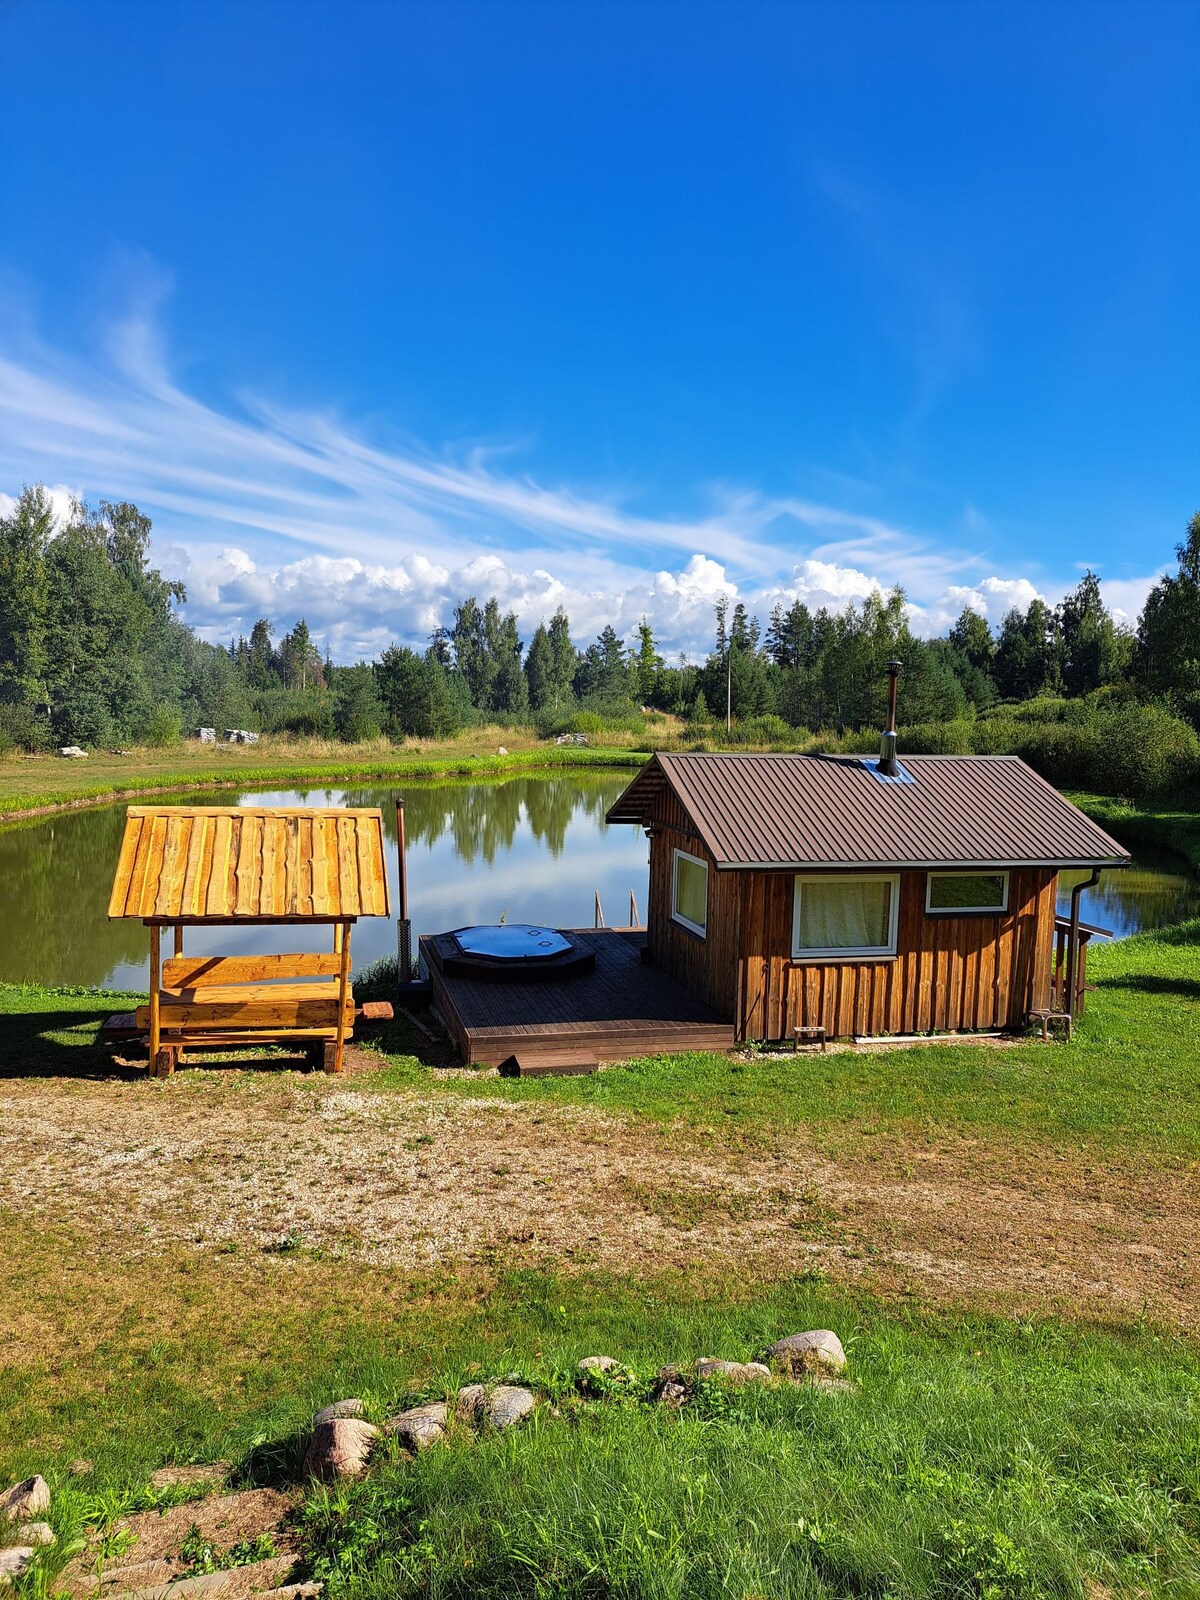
<point>55,877</point>
<point>483,819</point>
<point>56,873</point>
<point>1153,891</point>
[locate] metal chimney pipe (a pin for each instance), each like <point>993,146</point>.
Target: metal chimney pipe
<point>888,764</point>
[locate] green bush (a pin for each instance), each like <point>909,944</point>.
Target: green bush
<point>163,726</point>
<point>21,728</point>
<point>768,729</point>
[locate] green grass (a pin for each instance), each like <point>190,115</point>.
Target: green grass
<point>978,1457</point>
<point>1128,1083</point>
<point>1136,822</point>
<point>38,783</point>
<point>981,1458</point>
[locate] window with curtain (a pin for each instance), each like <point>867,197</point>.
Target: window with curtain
<point>845,916</point>
<point>689,892</point>
<point>967,891</point>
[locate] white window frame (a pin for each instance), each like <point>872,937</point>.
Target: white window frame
<point>863,953</point>
<point>699,929</point>
<point>965,911</point>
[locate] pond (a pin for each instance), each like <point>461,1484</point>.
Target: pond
<point>535,848</point>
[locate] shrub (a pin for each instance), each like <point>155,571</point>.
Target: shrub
<point>769,730</point>
<point>21,728</point>
<point>163,726</point>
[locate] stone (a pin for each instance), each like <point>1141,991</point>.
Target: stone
<point>598,1364</point>
<point>501,751</point>
<point>72,752</point>
<point>420,1426</point>
<point>13,1561</point>
<point>501,1405</point>
<point>735,1372</point>
<point>26,1499</point>
<point>36,1533</point>
<point>340,1448</point>
<point>801,1355</point>
<point>339,1408</point>
<point>671,1388</point>
<point>592,1368</point>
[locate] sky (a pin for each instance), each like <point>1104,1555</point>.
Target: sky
<point>615,306</point>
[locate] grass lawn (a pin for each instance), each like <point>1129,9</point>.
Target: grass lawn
<point>190,1268</point>
<point>32,783</point>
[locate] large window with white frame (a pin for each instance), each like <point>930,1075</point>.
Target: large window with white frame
<point>689,892</point>
<point>845,916</point>
<point>961,894</point>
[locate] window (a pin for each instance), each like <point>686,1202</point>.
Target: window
<point>844,916</point>
<point>689,892</point>
<point>960,892</point>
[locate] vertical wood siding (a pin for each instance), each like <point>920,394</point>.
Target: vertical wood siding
<point>708,966</point>
<point>949,973</point>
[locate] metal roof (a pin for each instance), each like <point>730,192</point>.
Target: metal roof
<point>812,812</point>
<point>250,864</point>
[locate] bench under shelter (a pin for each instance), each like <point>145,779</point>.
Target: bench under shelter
<point>184,867</point>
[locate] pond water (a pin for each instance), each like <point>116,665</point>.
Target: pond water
<point>535,849</point>
<point>1155,889</point>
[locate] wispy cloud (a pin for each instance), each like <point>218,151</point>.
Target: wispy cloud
<point>267,509</point>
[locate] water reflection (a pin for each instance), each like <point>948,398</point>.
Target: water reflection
<point>534,847</point>
<point>1156,888</point>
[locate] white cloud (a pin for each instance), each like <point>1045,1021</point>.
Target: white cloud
<point>265,510</point>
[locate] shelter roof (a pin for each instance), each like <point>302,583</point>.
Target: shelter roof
<point>250,864</point>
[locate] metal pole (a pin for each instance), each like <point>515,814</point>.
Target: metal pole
<point>403,926</point>
<point>729,687</point>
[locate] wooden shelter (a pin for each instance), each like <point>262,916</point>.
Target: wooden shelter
<point>831,896</point>
<point>229,866</point>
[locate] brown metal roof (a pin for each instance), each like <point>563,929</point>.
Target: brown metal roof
<point>250,863</point>
<point>798,811</point>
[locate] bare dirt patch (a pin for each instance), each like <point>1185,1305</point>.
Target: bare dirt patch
<point>417,1181</point>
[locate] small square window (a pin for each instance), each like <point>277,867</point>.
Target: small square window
<point>963,893</point>
<point>689,892</point>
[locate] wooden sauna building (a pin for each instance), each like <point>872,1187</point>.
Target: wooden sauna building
<point>253,867</point>
<point>861,897</point>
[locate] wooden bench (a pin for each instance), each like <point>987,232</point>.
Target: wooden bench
<point>263,866</point>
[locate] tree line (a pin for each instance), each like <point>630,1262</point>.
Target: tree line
<point>93,651</point>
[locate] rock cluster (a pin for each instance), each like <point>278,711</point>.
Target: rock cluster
<point>23,1503</point>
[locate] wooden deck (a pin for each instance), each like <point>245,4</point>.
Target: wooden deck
<point>623,1008</point>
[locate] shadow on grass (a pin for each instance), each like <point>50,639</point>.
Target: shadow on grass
<point>31,1046</point>
<point>1153,983</point>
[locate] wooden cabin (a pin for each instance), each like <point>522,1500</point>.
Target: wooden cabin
<point>857,896</point>
<point>261,866</point>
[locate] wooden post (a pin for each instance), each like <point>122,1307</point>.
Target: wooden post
<point>155,985</point>
<point>162,1061</point>
<point>633,910</point>
<point>335,1065</point>
<point>179,938</point>
<point>403,925</point>
<point>599,922</point>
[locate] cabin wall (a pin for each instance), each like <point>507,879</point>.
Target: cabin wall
<point>708,966</point>
<point>949,973</point>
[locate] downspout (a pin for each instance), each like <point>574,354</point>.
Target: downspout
<point>1073,937</point>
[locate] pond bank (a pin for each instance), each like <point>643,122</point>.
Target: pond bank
<point>238,769</point>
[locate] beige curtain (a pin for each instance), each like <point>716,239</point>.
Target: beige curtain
<point>845,914</point>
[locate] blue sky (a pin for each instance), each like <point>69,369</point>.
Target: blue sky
<point>619,306</point>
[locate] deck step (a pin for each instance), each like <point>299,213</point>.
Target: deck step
<point>518,1067</point>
